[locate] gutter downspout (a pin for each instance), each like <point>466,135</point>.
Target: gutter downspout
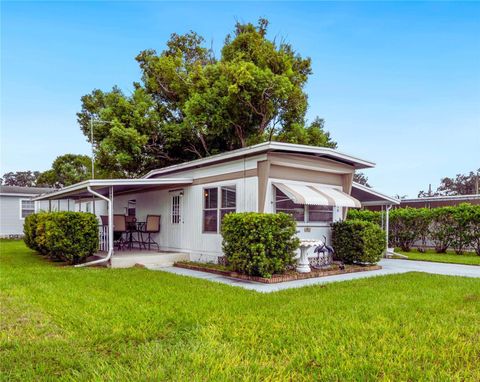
<point>110,227</point>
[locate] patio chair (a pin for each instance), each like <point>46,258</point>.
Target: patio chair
<point>104,219</point>
<point>152,226</point>
<point>119,229</point>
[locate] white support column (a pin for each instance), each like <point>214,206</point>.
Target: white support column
<point>110,219</point>
<point>387,226</point>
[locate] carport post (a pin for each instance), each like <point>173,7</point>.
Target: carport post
<point>387,226</point>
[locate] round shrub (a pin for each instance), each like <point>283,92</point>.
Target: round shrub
<point>259,244</point>
<point>66,236</point>
<point>357,241</point>
<point>72,236</point>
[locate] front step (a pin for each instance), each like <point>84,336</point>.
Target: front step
<point>158,260</point>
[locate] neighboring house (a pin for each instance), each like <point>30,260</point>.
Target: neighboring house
<point>314,184</point>
<point>434,201</point>
<point>15,204</point>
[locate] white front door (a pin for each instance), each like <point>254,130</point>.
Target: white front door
<point>176,219</point>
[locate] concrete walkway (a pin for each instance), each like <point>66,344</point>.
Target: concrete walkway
<point>389,267</point>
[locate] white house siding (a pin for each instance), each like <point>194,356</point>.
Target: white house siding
<point>188,236</point>
<point>11,222</point>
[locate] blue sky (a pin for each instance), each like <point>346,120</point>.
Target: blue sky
<point>397,83</point>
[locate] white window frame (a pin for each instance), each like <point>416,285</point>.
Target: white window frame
<point>219,206</point>
<point>21,207</point>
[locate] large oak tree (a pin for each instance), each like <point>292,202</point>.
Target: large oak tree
<point>190,104</point>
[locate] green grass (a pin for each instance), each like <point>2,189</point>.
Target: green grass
<point>449,257</point>
<point>134,324</point>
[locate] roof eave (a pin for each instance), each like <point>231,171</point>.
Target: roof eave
<point>261,148</point>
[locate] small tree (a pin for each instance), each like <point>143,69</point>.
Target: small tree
<point>442,228</point>
<point>404,224</point>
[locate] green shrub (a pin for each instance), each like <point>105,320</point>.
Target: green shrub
<point>461,219</point>
<point>72,236</point>
<point>67,236</point>
<point>357,241</point>
<point>474,228</point>
<point>29,231</point>
<point>259,244</point>
<point>365,215</point>
<point>40,232</point>
<point>442,228</point>
<point>407,225</point>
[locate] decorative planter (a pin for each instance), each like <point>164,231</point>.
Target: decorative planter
<point>289,276</point>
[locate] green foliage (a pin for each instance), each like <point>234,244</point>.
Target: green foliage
<point>466,227</point>
<point>455,227</point>
<point>30,231</point>
<point>259,244</point>
<point>67,236</point>
<point>191,104</point>
<point>441,229</point>
<point>357,241</point>
<point>66,170</point>
<point>404,225</point>
<point>21,179</point>
<point>365,215</point>
<point>474,229</point>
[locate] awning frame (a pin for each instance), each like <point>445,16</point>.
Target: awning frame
<point>315,194</point>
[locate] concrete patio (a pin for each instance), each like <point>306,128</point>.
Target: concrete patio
<point>389,267</point>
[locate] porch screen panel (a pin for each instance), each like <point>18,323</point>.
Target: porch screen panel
<point>210,210</point>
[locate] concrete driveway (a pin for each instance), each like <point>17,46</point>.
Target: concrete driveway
<point>389,267</point>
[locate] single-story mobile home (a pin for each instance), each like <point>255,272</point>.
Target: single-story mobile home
<point>314,184</point>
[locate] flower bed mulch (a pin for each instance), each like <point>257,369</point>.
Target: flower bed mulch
<point>288,276</point>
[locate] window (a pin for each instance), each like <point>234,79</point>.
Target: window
<point>175,209</point>
<point>284,204</point>
<point>27,207</point>
<point>229,200</point>
<point>210,210</point>
<point>300,212</point>
<point>320,214</point>
<point>132,207</point>
<point>213,211</point>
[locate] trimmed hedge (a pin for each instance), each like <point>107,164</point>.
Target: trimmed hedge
<point>365,215</point>
<point>66,236</point>
<point>259,244</point>
<point>455,227</point>
<point>357,241</point>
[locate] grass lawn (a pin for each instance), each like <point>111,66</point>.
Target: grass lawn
<point>449,257</point>
<point>135,324</point>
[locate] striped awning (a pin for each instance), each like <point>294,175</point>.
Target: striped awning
<point>317,195</point>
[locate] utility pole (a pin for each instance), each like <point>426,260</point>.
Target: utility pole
<point>93,151</point>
